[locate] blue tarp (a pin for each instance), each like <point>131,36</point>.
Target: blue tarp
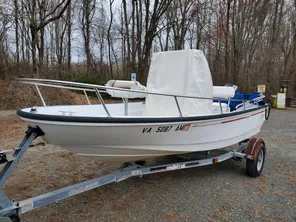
<point>242,96</point>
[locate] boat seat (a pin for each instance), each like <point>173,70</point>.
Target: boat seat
<point>223,92</point>
<point>133,85</point>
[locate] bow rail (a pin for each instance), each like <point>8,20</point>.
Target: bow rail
<point>98,89</point>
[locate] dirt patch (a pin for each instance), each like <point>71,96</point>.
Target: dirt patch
<point>14,95</point>
<point>12,128</point>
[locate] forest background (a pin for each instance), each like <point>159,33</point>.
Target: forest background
<point>246,42</point>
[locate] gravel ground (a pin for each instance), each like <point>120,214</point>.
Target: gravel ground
<point>219,192</point>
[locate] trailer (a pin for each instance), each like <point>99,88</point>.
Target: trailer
<point>253,150</point>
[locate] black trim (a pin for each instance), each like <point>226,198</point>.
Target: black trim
<point>36,130</point>
<point>84,119</point>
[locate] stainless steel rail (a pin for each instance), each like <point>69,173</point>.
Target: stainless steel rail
<point>98,89</point>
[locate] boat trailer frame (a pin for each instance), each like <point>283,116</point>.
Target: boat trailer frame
<point>11,209</point>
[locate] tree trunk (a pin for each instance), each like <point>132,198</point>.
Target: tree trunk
<point>69,32</point>
<point>139,17</point>
<point>226,59</point>
<point>133,46</point>
<point>41,49</point>
<point>23,33</point>
<point>33,48</point>
<point>126,23</point>
<point>16,15</point>
<point>109,38</point>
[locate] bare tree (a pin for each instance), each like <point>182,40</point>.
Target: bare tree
<point>180,18</point>
<point>69,34</point>
<point>245,42</point>
<point>4,27</point>
<point>16,20</point>
<point>88,11</point>
<point>109,37</point>
<point>39,21</point>
<point>151,23</point>
<point>126,23</point>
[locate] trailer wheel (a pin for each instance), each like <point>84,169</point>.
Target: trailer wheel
<point>255,167</point>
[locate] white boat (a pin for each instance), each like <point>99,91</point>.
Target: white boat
<point>178,115</point>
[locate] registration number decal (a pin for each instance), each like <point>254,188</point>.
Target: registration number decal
<point>184,127</point>
<point>165,129</point>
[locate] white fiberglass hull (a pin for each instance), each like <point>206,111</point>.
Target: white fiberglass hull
<point>138,141</point>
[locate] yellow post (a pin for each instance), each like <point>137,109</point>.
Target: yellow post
<point>273,101</point>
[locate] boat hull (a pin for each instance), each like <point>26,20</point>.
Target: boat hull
<point>138,141</point>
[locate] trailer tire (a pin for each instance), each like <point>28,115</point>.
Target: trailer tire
<point>255,167</point>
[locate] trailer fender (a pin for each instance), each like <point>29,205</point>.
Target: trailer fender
<point>253,147</point>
